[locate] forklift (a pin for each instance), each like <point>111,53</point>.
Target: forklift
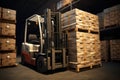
<point>44,43</point>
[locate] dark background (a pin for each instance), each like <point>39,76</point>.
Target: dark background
<point>26,8</point>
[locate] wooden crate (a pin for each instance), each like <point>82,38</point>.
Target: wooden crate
<point>7,29</point>
<point>84,19</point>
<point>111,16</point>
<point>8,14</point>
<point>8,59</point>
<point>7,44</point>
<point>115,49</point>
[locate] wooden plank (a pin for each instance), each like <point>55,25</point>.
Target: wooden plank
<point>7,44</point>
<point>7,29</point>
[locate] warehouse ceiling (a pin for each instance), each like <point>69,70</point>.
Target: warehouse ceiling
<point>26,8</point>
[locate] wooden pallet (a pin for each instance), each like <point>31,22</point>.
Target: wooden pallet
<point>77,67</point>
<point>70,29</point>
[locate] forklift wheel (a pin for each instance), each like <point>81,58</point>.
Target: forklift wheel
<point>41,64</point>
<point>22,59</point>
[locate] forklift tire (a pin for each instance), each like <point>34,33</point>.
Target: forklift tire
<point>22,59</point>
<point>41,64</point>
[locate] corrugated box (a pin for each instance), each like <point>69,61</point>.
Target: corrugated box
<point>7,44</point>
<point>7,29</point>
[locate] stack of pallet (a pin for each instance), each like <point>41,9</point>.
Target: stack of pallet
<point>104,50</point>
<point>83,38</point>
<point>101,20</point>
<point>112,16</point>
<point>63,3</point>
<point>7,37</point>
<point>115,49</point>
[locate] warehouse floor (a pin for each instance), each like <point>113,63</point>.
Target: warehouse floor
<point>109,71</point>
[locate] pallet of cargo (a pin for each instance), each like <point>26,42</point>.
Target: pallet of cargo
<point>83,38</point>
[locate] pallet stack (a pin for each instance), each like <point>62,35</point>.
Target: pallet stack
<point>63,3</point>
<point>101,20</point>
<point>7,37</point>
<point>104,50</point>
<point>112,16</point>
<point>83,38</point>
<point>115,49</point>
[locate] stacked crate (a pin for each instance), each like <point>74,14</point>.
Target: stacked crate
<point>104,50</point>
<point>112,16</point>
<point>7,37</point>
<point>83,38</point>
<point>115,49</point>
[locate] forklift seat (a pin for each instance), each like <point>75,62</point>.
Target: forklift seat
<point>32,38</point>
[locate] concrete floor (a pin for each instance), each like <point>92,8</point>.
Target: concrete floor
<point>109,71</point>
